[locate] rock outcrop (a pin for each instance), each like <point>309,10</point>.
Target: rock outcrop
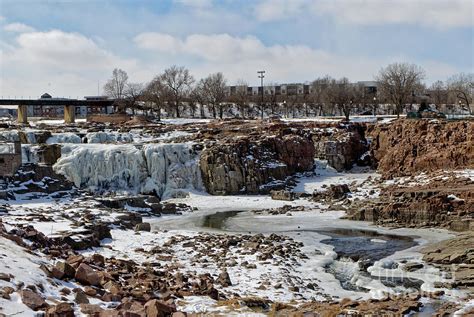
<point>248,165</point>
<point>405,147</point>
<point>443,202</point>
<point>342,146</point>
<point>455,256</point>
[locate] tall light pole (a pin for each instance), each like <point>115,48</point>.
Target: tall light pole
<point>261,75</point>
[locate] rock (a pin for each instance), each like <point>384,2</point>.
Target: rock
<point>91,309</point>
<point>129,220</point>
<point>32,299</point>
<point>405,147</point>
<point>224,279</point>
<point>81,297</point>
<point>113,288</point>
<point>63,270</point>
<point>6,291</point>
<point>254,164</point>
<point>5,277</point>
<point>413,266</point>
<point>144,226</point>
<point>157,308</point>
<point>98,259</point>
<point>338,191</point>
<point>49,153</point>
<point>60,310</point>
<point>87,275</point>
<point>333,192</point>
<point>282,195</point>
<point>90,291</point>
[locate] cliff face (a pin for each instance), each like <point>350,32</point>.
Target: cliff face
<point>249,165</point>
<point>413,146</point>
<point>342,146</point>
<point>445,201</point>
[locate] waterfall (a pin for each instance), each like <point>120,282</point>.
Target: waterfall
<point>167,169</point>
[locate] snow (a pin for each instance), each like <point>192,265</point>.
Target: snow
<point>185,120</point>
<point>25,268</point>
<point>325,175</point>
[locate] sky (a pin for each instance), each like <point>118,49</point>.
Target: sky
<point>69,48</point>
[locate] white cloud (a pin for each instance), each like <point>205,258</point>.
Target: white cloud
<point>18,28</point>
<point>241,57</point>
<point>70,62</point>
<point>270,10</point>
<point>429,13</point>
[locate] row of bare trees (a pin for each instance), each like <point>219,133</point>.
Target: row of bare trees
<point>176,92</point>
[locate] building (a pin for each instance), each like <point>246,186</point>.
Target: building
<point>96,110</point>
<point>370,86</point>
<point>51,111</point>
<point>279,90</point>
<point>45,110</point>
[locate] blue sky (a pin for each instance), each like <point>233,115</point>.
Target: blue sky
<point>68,47</point>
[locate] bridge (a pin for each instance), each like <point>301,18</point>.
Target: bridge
<point>68,104</point>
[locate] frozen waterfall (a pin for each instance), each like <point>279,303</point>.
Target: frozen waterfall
<point>167,169</point>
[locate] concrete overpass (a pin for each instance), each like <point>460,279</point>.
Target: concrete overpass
<point>68,104</point>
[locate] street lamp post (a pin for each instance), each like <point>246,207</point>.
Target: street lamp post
<point>261,75</point>
<point>375,105</point>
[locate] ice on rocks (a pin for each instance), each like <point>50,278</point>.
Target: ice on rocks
<point>164,169</point>
<point>109,137</point>
<point>67,137</point>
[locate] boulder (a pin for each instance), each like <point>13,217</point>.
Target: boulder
<point>144,226</point>
<point>63,270</point>
<point>87,275</point>
<point>60,310</point>
<point>224,279</point>
<point>157,308</point>
<point>81,297</point>
<point>282,195</point>
<point>32,299</point>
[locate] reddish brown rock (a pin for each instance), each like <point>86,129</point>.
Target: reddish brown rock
<point>157,308</point>
<point>32,299</point>
<point>60,310</point>
<point>63,270</point>
<point>87,275</point>
<point>405,147</point>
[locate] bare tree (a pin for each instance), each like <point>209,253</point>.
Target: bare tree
<point>156,93</point>
<point>438,93</point>
<point>133,92</point>
<point>342,95</point>
<point>115,87</point>
<point>319,93</point>
<point>178,82</point>
<point>399,82</point>
<point>198,96</point>
<point>215,91</point>
<point>241,97</point>
<point>462,87</point>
